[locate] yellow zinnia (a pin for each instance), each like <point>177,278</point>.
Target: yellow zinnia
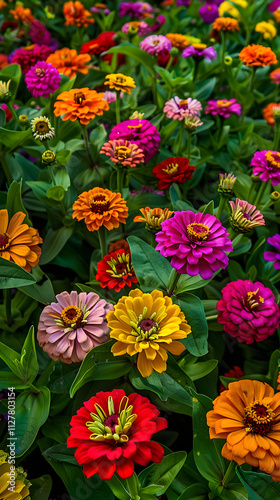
<point>118,81</point>
<point>227,7</point>
<point>147,324</point>
<point>13,482</point>
<point>267,29</point>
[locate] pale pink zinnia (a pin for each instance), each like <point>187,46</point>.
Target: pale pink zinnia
<point>69,328</point>
<point>244,216</point>
<point>178,109</point>
<point>156,45</point>
<point>123,152</point>
<point>111,96</point>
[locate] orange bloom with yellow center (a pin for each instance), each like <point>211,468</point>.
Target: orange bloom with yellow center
<point>153,217</point>
<point>19,242</point>
<point>225,24</point>
<point>100,207</point>
<point>75,14</point>
<point>268,113</point>
<point>68,62</point>
<point>80,104</point>
<point>21,14</point>
<point>118,81</point>
<point>257,55</point>
<point>147,324</point>
<point>247,415</point>
<point>179,41</point>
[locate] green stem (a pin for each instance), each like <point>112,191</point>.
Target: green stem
<point>8,306</point>
<point>118,111</point>
<point>6,169</point>
<point>189,144</point>
<point>275,278</point>
<point>102,235</point>
<point>15,116</point>
<point>153,241</point>
<point>221,206</point>
<point>85,136</point>
<point>254,69</point>
<point>195,71</point>
<point>133,486</point>
<point>178,144</point>
<point>260,194</point>
<point>169,64</point>
<point>174,282</point>
<point>222,69</point>
<point>229,473</point>
<point>45,375</point>
<point>46,145</point>
<point>276,136</point>
<point>251,192</point>
<point>232,234</point>
<point>209,318</point>
<point>155,92</point>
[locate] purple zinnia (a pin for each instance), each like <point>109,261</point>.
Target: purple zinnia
<point>27,57</point>
<point>196,242</point>
<point>248,311</point>
<point>178,109</point>
<point>40,35</point>
<point>140,132</point>
<point>275,5</point>
<point>200,50</point>
<point>42,79</point>
<point>209,13</point>
<point>223,107</point>
<point>156,45</point>
<point>267,166</point>
<point>137,9</point>
<point>273,256</point>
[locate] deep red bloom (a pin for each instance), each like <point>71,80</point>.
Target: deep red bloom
<point>9,24</point>
<point>104,446</point>
<point>103,42</point>
<point>173,170</point>
<point>235,372</point>
<point>115,271</point>
<point>162,61</point>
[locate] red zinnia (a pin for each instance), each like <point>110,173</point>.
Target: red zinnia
<point>235,372</point>
<point>115,271</point>
<point>173,170</point>
<point>112,431</point>
<point>102,43</point>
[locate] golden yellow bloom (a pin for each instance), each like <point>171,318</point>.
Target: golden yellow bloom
<point>147,324</point>
<point>225,24</point>
<point>276,15</point>
<point>153,217</point>
<point>267,29</point>
<point>179,41</point>
<point>118,81</point>
<point>227,7</point>
<point>21,488</point>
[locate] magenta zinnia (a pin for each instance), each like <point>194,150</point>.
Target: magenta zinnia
<point>69,328</point>
<point>123,152</point>
<point>42,79</point>
<point>196,243</point>
<point>140,132</point>
<point>267,166</point>
<point>28,56</point>
<point>274,257</point>
<point>223,107</point>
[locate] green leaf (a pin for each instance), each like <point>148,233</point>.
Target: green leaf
<point>60,453</point>
<point>13,138</point>
<point>28,364</point>
<point>56,193</point>
<point>62,157</point>
<point>162,474</point>
<point>198,370</point>
<point>11,358</point>
<point>8,379</point>
<point>192,307</point>
<point>151,268</point>
<point>43,290</point>
<point>259,486</point>
<point>208,209</point>
<point>31,412</point>
<point>151,383</point>
<point>13,276</point>
<point>13,72</point>
<point>61,176</point>
<point>41,487</point>
<point>14,202</point>
<point>119,488</point>
<point>195,492</point>
<point>138,54</point>
<point>187,283</point>
<point>53,243</point>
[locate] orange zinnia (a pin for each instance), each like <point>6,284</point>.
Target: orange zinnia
<point>179,41</point>
<point>19,242</point>
<point>257,55</point>
<point>100,207</point>
<point>268,113</point>
<point>80,104</point>
<point>247,415</point>
<point>225,24</point>
<point>68,62</point>
<point>76,14</point>
<point>21,14</point>
<point>3,4</point>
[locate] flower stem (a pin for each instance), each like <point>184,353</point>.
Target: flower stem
<point>275,278</point>
<point>209,318</point>
<point>15,116</point>
<point>6,169</point>
<point>221,206</point>
<point>169,64</point>
<point>254,69</point>
<point>85,136</point>
<point>174,282</point>
<point>178,144</point>
<point>260,194</point>
<point>102,235</point>
<point>132,486</point>
<point>189,145</point>
<point>8,305</point>
<point>118,112</point>
<point>229,473</point>
<point>276,136</point>
<point>153,241</point>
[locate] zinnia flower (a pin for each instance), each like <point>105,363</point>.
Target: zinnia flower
<point>137,9</point>
<point>112,431</point>
<point>257,55</point>
<point>173,170</point>
<point>102,43</point>
<point>117,245</point>
<point>192,122</point>
<point>147,324</point>
<point>235,372</point>
<point>123,152</point>
<point>100,207</point>
<point>225,24</point>
<point>69,328</point>
<point>42,79</point>
<point>28,56</point>
<point>153,218</point>
<point>116,271</point>
<point>273,256</point>
<point>209,13</point>
<point>267,29</point>
<point>68,62</point>
<point>178,109</point>
<point>223,107</point>
<point>228,7</point>
<point>156,45</point>
<point>248,311</point>
<point>244,217</point>
<point>100,7</point>
<point>177,40</point>
<point>199,51</point>
<point>41,128</point>
<point>19,242</point>
<point>4,60</point>
<point>275,5</point>
<point>140,132</point>
<point>196,243</point>
<point>226,184</point>
<point>22,15</point>
<point>76,15</point>
<point>119,81</point>
<point>268,113</point>
<point>246,415</point>
<point>12,488</point>
<point>275,76</point>
<point>267,166</point>
<point>40,35</point>
<point>80,104</point>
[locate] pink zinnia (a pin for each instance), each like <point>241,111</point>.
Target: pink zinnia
<point>275,76</point>
<point>196,243</point>
<point>42,79</point>
<point>123,152</point>
<point>178,109</point>
<point>137,9</point>
<point>156,45</point>
<point>111,96</point>
<point>27,57</point>
<point>248,311</point>
<point>223,107</point>
<point>69,328</point>
<point>273,256</point>
<point>244,216</point>
<point>140,132</point>
<point>267,166</point>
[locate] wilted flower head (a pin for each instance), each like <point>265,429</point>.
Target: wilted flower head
<point>245,217</point>
<point>123,152</point>
<point>257,55</point>
<point>273,256</point>
<point>223,107</point>
<point>192,122</point>
<point>200,51</point>
<point>156,45</point>
<point>41,128</point>
<point>69,328</point>
<point>116,271</point>
<point>5,94</point>
<point>140,132</point>
<point>226,184</point>
<point>42,79</point>
<point>267,29</point>
<point>267,166</point>
<point>153,217</point>
<point>119,81</point>
<point>178,109</point>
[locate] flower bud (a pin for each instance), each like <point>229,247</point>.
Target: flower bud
<point>136,114</point>
<point>255,178</point>
<point>226,184</point>
<point>275,196</point>
<point>228,60</point>
<point>23,120</point>
<point>48,157</point>
<point>276,114</point>
<point>174,51</point>
<point>5,94</point>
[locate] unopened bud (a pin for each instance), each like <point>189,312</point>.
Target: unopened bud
<point>226,184</point>
<point>255,178</point>
<point>275,196</point>
<point>5,94</point>
<point>23,120</point>
<point>228,60</point>
<point>48,157</point>
<point>174,51</point>
<point>135,115</point>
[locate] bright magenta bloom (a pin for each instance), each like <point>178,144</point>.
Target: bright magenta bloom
<point>223,107</point>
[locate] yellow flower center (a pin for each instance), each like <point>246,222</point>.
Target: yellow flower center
<point>72,316</point>
<point>171,169</point>
<point>258,418</point>
<point>199,46</point>
<point>112,426</point>
<point>120,267</point>
<point>99,203</point>
<point>252,300</point>
<point>145,328</point>
<point>197,232</point>
<point>79,97</point>
<point>4,241</point>
<point>155,42</point>
<point>273,159</point>
<point>135,126</point>
<point>40,72</point>
<point>223,103</point>
<point>122,152</point>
